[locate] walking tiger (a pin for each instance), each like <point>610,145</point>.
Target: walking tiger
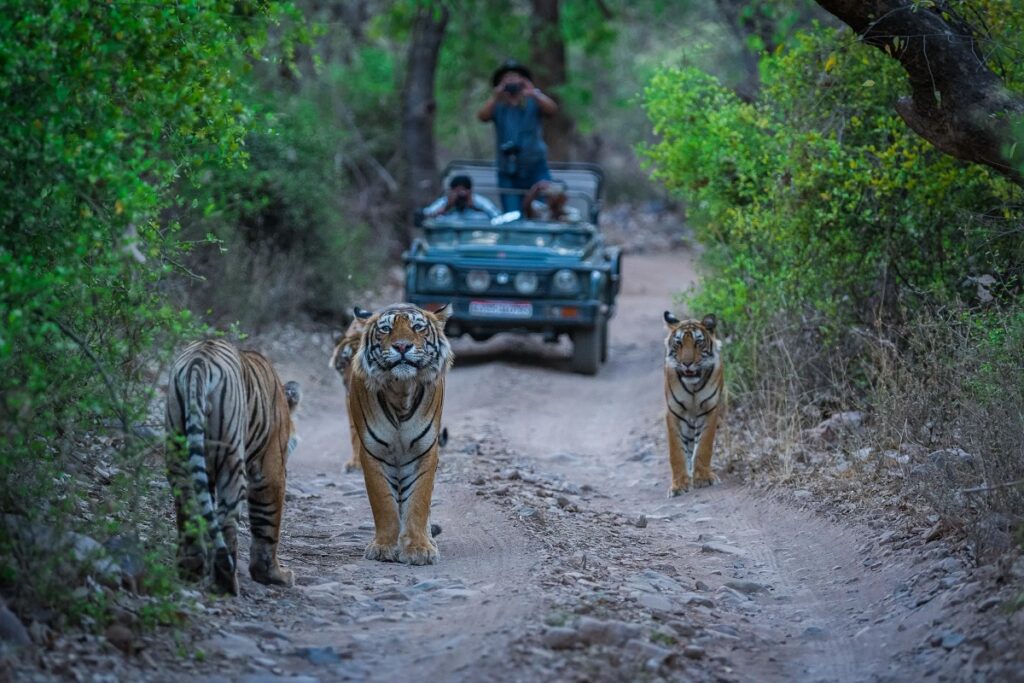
<point>694,389</point>
<point>394,401</point>
<point>229,433</point>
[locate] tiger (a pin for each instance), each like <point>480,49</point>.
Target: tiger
<point>341,360</point>
<point>395,400</point>
<point>694,397</point>
<point>229,433</point>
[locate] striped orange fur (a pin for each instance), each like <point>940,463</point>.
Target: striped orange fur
<point>229,433</point>
<point>394,401</point>
<point>694,397</point>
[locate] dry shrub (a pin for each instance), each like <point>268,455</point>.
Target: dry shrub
<point>927,416</point>
<point>785,382</point>
<point>949,393</point>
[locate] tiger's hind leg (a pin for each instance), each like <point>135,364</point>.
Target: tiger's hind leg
<point>266,508</point>
<point>703,476</point>
<point>193,549</point>
<point>231,492</point>
<point>680,478</point>
<point>353,465</point>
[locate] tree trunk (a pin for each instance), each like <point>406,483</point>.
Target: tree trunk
<point>956,102</point>
<point>744,24</point>
<point>548,63</point>
<point>418,107</point>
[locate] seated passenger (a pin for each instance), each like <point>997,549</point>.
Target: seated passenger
<point>461,200</point>
<point>555,204</point>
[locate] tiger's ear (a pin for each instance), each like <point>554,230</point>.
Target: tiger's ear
<point>362,313</point>
<point>709,322</point>
<point>670,319</point>
<point>442,314</point>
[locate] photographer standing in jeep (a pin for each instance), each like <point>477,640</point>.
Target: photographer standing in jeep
<point>516,107</point>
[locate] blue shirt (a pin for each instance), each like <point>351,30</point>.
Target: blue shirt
<point>521,125</point>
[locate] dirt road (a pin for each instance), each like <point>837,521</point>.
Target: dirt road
<point>561,557</point>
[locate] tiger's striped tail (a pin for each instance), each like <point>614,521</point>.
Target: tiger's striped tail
<point>195,440</point>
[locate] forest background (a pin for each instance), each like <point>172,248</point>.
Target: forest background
<point>174,169</point>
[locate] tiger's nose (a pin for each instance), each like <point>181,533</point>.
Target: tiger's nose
<point>401,347</point>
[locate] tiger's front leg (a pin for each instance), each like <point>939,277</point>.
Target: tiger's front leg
<point>703,476</point>
<point>353,465</point>
<point>416,545</point>
<point>676,458</point>
<point>386,522</point>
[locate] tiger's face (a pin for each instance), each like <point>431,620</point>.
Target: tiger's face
<point>346,345</point>
<point>691,350</point>
<point>404,343</point>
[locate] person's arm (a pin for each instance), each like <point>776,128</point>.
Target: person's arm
<point>482,203</point>
<point>437,207</point>
<point>531,195</point>
<point>486,112</point>
<point>546,104</point>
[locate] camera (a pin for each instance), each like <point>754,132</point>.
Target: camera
<point>509,162</point>
<point>513,88</point>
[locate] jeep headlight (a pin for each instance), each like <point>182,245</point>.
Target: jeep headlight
<point>566,281</point>
<point>478,280</point>
<point>526,282</point>
<point>439,276</point>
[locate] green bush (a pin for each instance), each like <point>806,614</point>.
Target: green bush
<point>111,111</point>
<point>285,221</point>
<point>821,209</point>
<point>855,266</point>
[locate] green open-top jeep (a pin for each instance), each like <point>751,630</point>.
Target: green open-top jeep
<point>515,275</point>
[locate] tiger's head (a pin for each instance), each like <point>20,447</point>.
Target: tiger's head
<point>346,345</point>
<point>293,394</point>
<point>691,349</point>
<point>403,343</point>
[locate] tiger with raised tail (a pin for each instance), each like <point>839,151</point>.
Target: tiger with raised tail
<point>229,433</point>
<point>395,400</point>
<point>694,395</point>
<point>341,360</point>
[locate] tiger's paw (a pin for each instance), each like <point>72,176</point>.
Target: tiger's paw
<point>678,490</point>
<point>382,552</point>
<point>276,576</point>
<point>418,553</point>
<point>704,482</point>
<point>353,465</point>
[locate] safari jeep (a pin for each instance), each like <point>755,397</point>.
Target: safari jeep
<point>515,275</point>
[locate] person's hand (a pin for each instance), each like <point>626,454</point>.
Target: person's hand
<point>529,89</point>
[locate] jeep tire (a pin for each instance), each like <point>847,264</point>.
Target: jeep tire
<point>586,349</point>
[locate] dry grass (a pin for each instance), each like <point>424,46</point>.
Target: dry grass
<point>939,428</point>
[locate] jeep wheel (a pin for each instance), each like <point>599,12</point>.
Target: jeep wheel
<point>604,341</point>
<point>586,350</point>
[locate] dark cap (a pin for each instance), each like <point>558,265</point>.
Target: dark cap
<point>461,181</point>
<point>513,66</point>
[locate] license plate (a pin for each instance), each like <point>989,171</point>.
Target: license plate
<point>501,309</point>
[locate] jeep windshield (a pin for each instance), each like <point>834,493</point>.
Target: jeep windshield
<point>571,236</point>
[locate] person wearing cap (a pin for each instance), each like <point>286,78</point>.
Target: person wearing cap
<point>516,107</point>
<point>548,201</point>
<point>461,199</point>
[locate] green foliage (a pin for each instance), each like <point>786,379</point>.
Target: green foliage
<point>817,203</point>
<point>285,220</point>
<point>111,112</point>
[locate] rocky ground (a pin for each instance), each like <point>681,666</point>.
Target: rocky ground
<point>563,560</point>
